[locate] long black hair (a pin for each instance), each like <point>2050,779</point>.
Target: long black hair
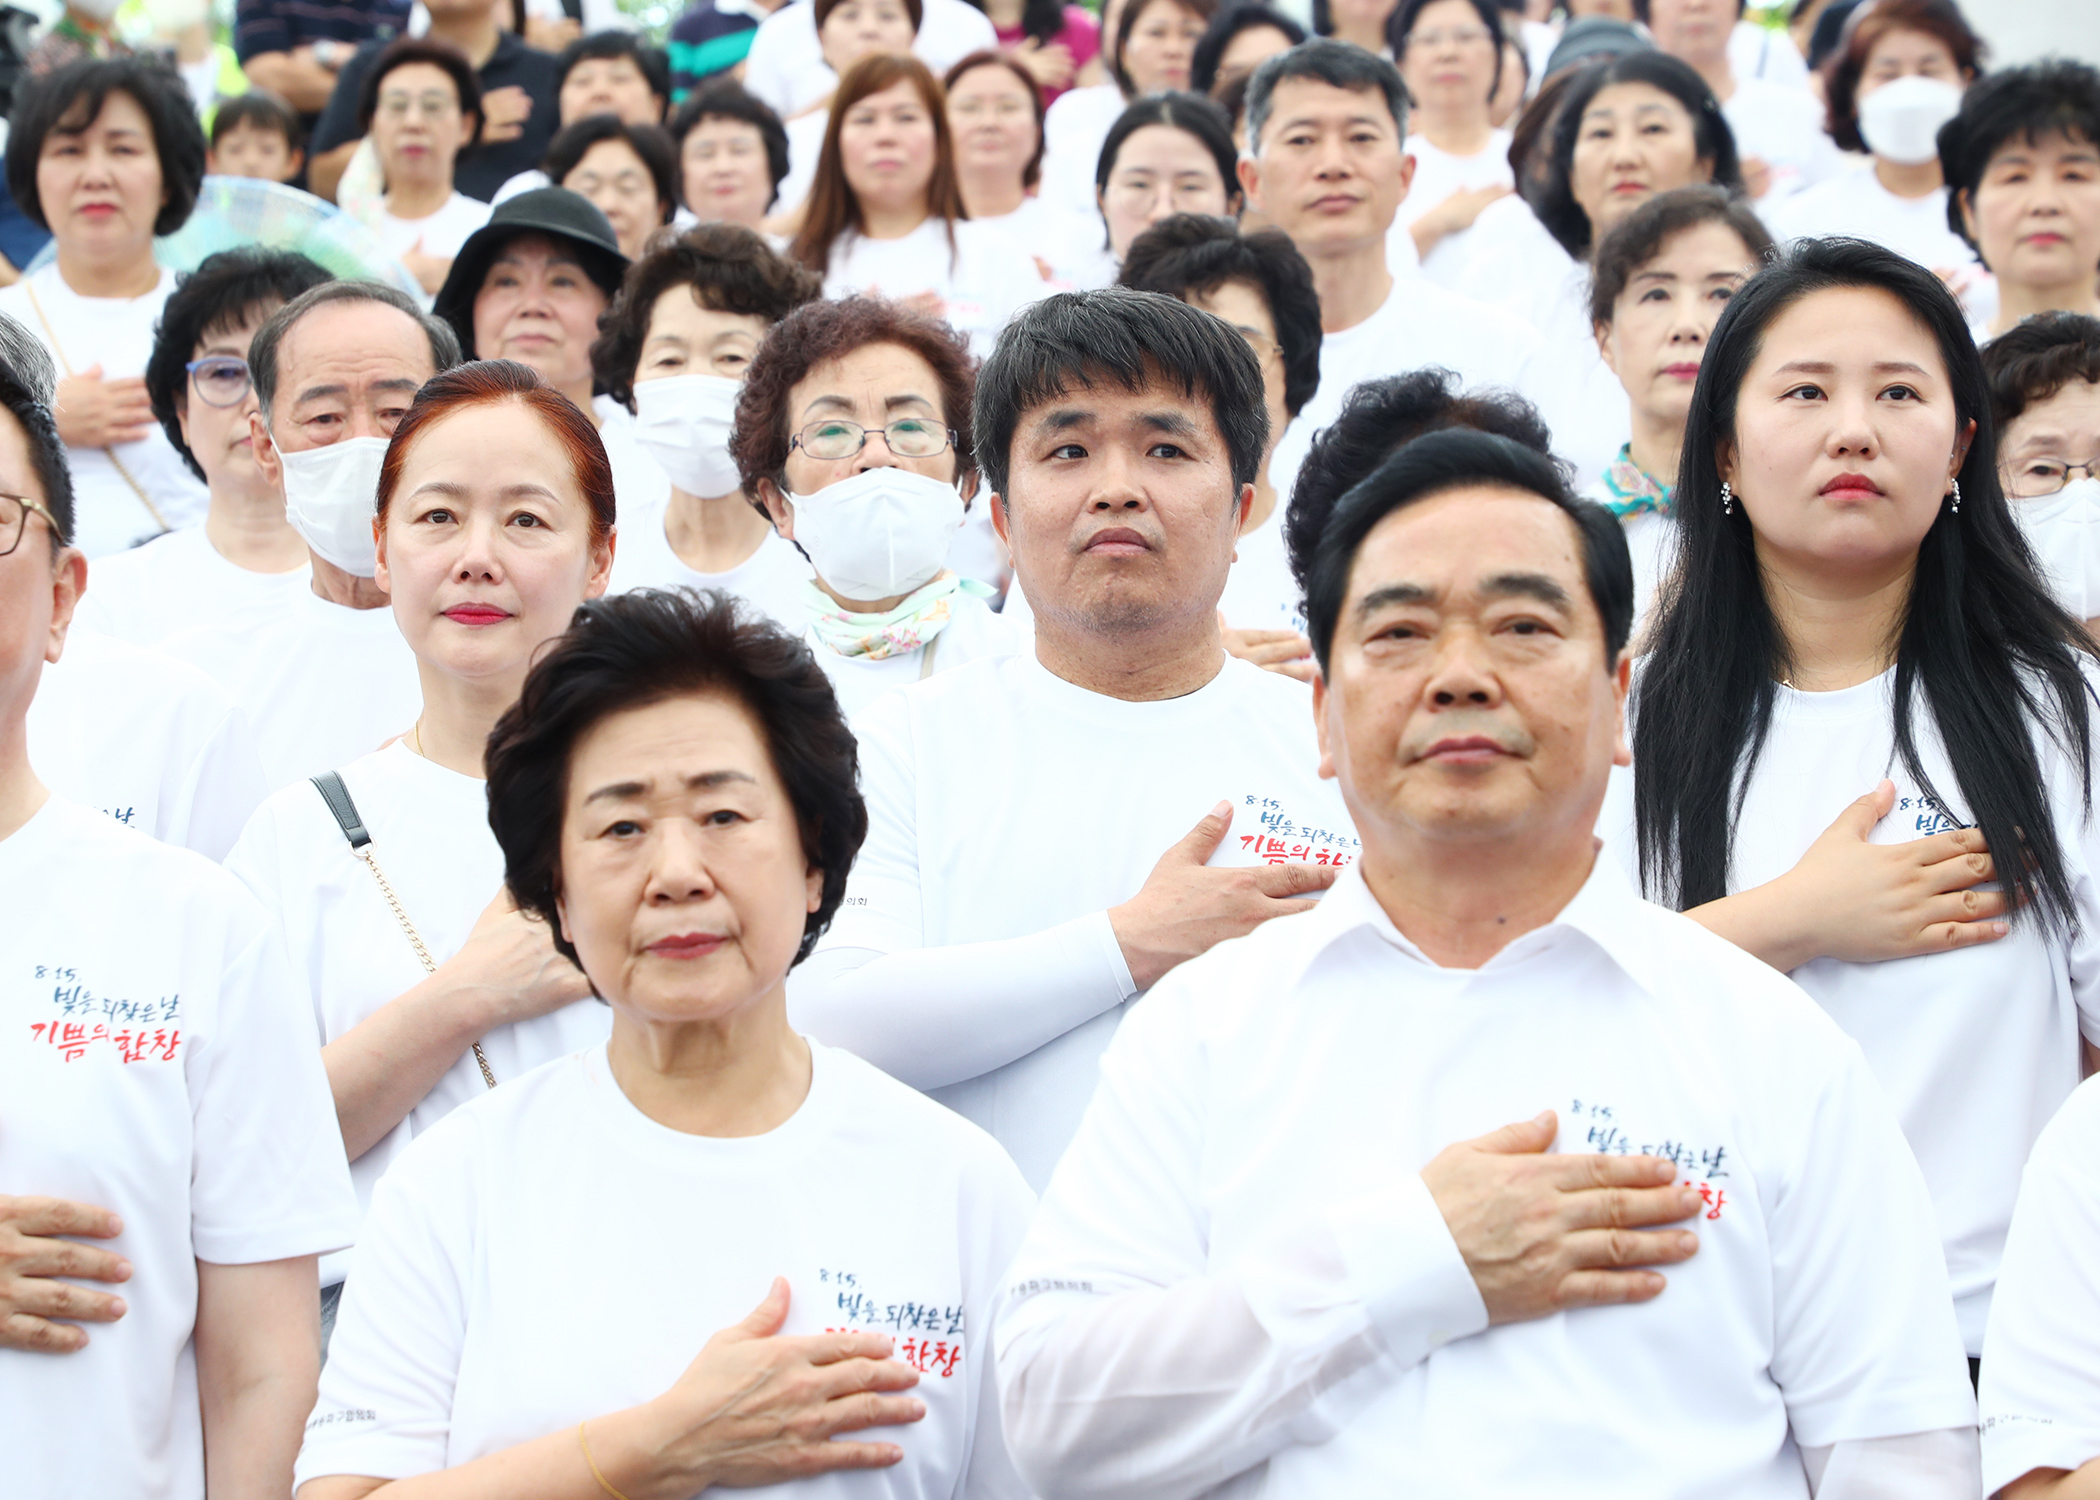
<point>1998,663</point>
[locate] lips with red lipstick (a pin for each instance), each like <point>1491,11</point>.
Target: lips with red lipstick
<point>476,614</point>
<point>1850,486</point>
<point>1682,370</point>
<point>687,945</point>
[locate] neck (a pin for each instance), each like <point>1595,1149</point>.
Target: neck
<point>1004,13</point>
<point>347,589</point>
<point>458,713</point>
<point>885,221</point>
<point>579,393</point>
<point>246,526</point>
<point>476,36</point>
<point>990,193</point>
<point>740,1076</point>
<point>1352,283</point>
<point>1138,666</point>
<point>1459,134</point>
<point>132,274</point>
<point>1657,443</point>
<point>2017,300</point>
<point>1909,179</point>
<point>1462,902</point>
<point>1839,629</point>
<point>417,200</point>
<point>1369,35</point>
<point>1715,70</point>
<point>1264,505</point>
<point>861,606</point>
<point>21,794</point>
<point>714,535</point>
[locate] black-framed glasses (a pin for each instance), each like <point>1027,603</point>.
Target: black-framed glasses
<point>2041,477</point>
<point>908,437</point>
<point>220,379</point>
<point>14,520</point>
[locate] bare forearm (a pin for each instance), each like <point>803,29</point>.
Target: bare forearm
<point>384,1066</point>
<point>325,171</point>
<point>1759,922</point>
<point>295,75</point>
<point>625,1446</point>
<point>2056,1484</point>
<point>258,1362</point>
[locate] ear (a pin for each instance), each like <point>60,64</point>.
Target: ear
<point>265,451</point>
<point>1319,706</point>
<point>1244,509</point>
<point>1407,176</point>
<point>182,414</point>
<point>296,163</point>
<point>1601,332</point>
<point>1961,449</point>
<point>1621,685</point>
<point>1724,461</point>
<point>813,887</point>
<point>602,566</point>
<point>68,582</point>
<point>1966,202</point>
<point>379,574</point>
<point>778,507</point>
<point>1002,523</point>
<point>1250,182</point>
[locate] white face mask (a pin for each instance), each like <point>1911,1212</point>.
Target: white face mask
<point>1901,120</point>
<point>331,495</point>
<point>684,422</point>
<point>881,533</point>
<point>2064,530</point>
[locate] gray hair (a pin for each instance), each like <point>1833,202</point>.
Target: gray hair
<point>263,352</point>
<point>24,354</point>
<point>1341,65</point>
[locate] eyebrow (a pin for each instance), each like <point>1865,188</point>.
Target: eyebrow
<point>448,487</point>
<point>845,403</point>
<point>397,383</point>
<point>700,781</point>
<point>1065,418</point>
<point>1824,367</point>
<point>1605,111</point>
<point>1501,586</point>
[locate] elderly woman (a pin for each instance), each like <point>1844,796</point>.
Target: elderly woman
<point>106,155</point>
<point>732,154</point>
<point>995,114</point>
<point>678,341</point>
<point>420,108</point>
<point>675,797</point>
<point>495,523</point>
<point>854,435</point>
<point>629,171</point>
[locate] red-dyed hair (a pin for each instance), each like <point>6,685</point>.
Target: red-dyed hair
<point>488,382</point>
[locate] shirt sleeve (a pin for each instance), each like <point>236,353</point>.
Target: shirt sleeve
<point>259,28</point>
<point>269,1179</point>
<point>1939,1465</point>
<point>2041,1351</point>
<point>1132,1366</point>
<point>996,1205</point>
<point>219,790</point>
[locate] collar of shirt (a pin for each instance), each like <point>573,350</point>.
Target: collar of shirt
<point>1606,912</point>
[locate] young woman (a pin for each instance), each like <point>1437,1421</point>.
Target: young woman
<point>421,107</point>
<point>629,171</point>
<point>106,155</point>
<point>676,805</point>
<point>1662,278</point>
<point>732,155</point>
<point>1169,154</point>
<point>995,113</point>
<point>1236,42</point>
<point>1450,54</point>
<point>2045,395</point>
<point>1050,41</point>
<point>847,31</point>
<point>1368,23</point>
<point>1861,708</point>
<point>886,216</point>
<point>495,516</point>
<point>854,435</point>
<point>677,342</point>
<point>1151,50</point>
<point>1898,79</point>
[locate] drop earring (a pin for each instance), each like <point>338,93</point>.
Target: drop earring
<point>1956,496</point>
<point>1727,499</point>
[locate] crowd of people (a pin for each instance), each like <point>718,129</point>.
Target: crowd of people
<point>1203,750</point>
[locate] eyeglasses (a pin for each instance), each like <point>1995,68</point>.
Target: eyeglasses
<point>908,437</point>
<point>219,379</point>
<point>1458,36</point>
<point>434,104</point>
<point>14,520</point>
<point>2045,476</point>
<point>1262,345</point>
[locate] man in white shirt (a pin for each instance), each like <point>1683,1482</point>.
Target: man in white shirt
<point>1239,1285</point>
<point>170,1164</point>
<point>334,369</point>
<point>785,66</point>
<point>1030,866</point>
<point>1326,121</point>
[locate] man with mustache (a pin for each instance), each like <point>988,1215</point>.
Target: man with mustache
<point>1262,1269</point>
<point>1031,867</point>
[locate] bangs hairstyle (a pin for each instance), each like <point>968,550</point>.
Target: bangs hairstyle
<point>1032,173</point>
<point>653,63</point>
<point>916,9</point>
<point>1870,24</point>
<point>27,382</point>
<point>2037,357</point>
<point>67,101</point>
<point>443,56</point>
<point>727,267</point>
<point>493,382</point>
<point>1712,140</point>
<point>1400,25</point>
<point>726,99</point>
<point>833,207</point>
<point>650,144</point>
<point>1380,417</point>
<point>1076,340</point>
<point>2056,97</point>
<point>1133,12</point>
<point>1193,255</point>
<point>269,339</point>
<point>628,651</point>
<point>1192,114</point>
<point>817,333</point>
<point>262,110</point>
<point>1648,230</point>
<point>1983,652</point>
<point>1461,459</point>
<point>1225,28</point>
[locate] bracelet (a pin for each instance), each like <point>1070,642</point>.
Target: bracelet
<point>603,1483</point>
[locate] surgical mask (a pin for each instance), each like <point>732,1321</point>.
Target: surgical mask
<point>684,422</point>
<point>1901,120</point>
<point>331,495</point>
<point>882,533</point>
<point>2064,531</point>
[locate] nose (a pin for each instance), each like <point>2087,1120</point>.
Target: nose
<point>875,453</point>
<point>1852,433</point>
<point>678,870</point>
<point>1115,484</point>
<point>479,555</point>
<point>1459,676</point>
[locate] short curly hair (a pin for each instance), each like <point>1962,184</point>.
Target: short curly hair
<point>819,332</point>
<point>729,268</point>
<point>628,651</point>
<point>67,101</point>
<point>2037,357</point>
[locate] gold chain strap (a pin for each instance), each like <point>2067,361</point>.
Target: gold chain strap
<point>415,940</point>
<point>109,451</point>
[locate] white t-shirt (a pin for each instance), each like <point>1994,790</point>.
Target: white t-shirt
<point>1854,203</point>
<point>149,740</point>
<point>178,581</point>
<point>1439,174</point>
<point>153,1062</point>
<point>978,835</point>
<point>1252,1148</point>
<point>972,633</point>
<point>441,232</point>
<point>882,1211</point>
<point>640,486</point>
<point>1650,538</point>
<point>1260,593</point>
<point>786,67</point>
<point>2064,531</point>
<point>1976,1047</point>
<point>1074,130</point>
<point>430,834</point>
<point>771,578</point>
<point>1756,51</point>
<point>984,280</point>
<point>325,685</point>
<point>1418,324</point>
<point>1783,127</point>
<point>1050,232</point>
<point>117,334</point>
<point>2041,1356</point>
<point>805,135</point>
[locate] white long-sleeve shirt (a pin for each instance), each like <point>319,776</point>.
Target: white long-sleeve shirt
<point>1238,1285</point>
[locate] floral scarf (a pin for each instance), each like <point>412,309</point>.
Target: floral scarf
<point>1633,489</point>
<point>924,614</point>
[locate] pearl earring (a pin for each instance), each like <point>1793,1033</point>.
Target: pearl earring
<point>1727,499</point>
<point>1956,495</point>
